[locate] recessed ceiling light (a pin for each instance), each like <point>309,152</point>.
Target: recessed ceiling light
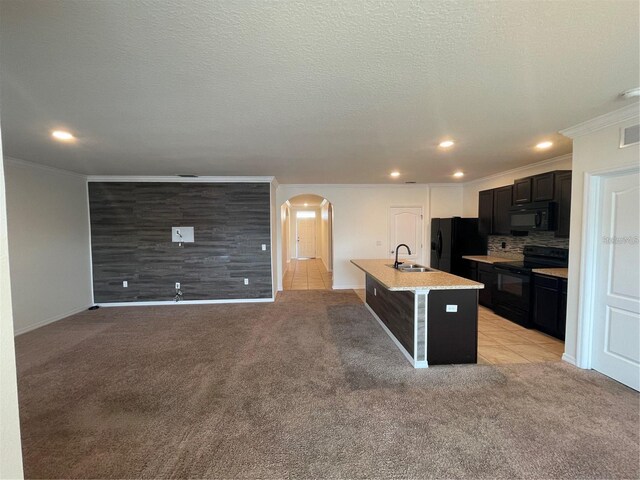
<point>395,174</point>
<point>631,93</point>
<point>544,145</point>
<point>306,204</point>
<point>446,144</point>
<point>62,135</point>
<point>458,174</point>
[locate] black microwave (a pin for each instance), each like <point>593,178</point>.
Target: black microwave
<point>538,216</point>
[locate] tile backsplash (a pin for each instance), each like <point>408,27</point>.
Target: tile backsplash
<point>515,245</point>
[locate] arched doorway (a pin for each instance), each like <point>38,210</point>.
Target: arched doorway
<point>307,243</point>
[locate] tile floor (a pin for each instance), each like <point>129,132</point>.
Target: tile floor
<point>307,274</point>
<point>501,341</point>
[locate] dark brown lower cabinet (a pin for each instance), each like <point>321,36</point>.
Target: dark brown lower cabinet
<point>469,269</point>
<point>549,305</point>
<point>486,275</point>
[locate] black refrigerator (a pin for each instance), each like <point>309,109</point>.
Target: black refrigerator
<point>451,238</point>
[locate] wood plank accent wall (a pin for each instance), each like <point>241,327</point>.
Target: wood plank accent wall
<point>131,240</point>
<point>395,309</point>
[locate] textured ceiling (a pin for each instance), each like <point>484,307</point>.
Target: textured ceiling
<point>310,92</point>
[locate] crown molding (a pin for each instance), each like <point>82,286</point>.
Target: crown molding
<point>549,161</point>
<point>175,179</point>
<point>351,185</point>
<point>16,162</point>
<point>603,121</point>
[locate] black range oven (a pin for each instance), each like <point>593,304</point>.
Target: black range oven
<point>512,289</point>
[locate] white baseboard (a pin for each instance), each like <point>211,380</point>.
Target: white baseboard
<point>348,287</point>
<point>186,302</point>
<point>419,364</point>
<point>569,359</point>
<point>49,320</point>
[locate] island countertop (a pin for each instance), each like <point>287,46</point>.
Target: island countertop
<point>396,280</point>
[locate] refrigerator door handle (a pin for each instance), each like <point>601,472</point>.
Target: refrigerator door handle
<point>439,251</point>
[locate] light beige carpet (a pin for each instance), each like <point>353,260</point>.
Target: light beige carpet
<point>307,387</point>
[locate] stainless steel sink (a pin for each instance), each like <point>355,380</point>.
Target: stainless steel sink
<point>412,268</point>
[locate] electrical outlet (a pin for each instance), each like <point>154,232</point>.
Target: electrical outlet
<point>264,247</point>
<point>125,284</point>
<point>246,281</point>
<point>177,285</point>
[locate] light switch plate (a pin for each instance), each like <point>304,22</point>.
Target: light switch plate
<point>125,284</point>
<point>186,232</point>
<point>264,247</point>
<point>452,308</point>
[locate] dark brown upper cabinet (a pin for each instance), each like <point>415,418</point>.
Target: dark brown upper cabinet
<point>563,199</point>
<point>485,212</point>
<point>502,201</point>
<point>493,211</point>
<point>522,190</point>
<point>494,204</point>
<point>542,187</point>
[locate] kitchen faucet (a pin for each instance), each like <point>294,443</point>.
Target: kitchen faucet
<point>396,264</point>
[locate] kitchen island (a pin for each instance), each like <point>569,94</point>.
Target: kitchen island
<point>431,316</point>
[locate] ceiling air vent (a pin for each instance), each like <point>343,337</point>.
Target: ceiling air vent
<point>187,175</point>
<point>629,136</point>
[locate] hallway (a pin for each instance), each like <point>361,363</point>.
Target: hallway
<point>308,274</point>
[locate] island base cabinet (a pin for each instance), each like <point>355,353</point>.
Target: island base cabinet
<point>452,336</point>
<point>434,327</point>
<point>395,310</point>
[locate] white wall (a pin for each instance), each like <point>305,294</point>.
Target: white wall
<point>446,201</point>
<point>284,229</point>
<point>592,152</point>
<point>325,240</point>
<point>49,244</point>
<point>471,189</point>
<point>360,221</point>
<point>10,448</point>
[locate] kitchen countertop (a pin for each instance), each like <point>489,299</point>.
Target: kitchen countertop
<point>395,280</point>
<point>489,259</point>
<point>553,272</point>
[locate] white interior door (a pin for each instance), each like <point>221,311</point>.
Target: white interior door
<point>405,226</point>
<point>306,237</point>
<point>616,330</point>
